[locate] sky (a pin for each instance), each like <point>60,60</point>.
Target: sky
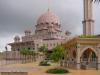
<point>19,15</point>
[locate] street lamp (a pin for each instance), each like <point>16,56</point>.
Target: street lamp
<point>6,53</point>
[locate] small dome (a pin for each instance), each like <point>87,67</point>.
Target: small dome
<point>27,31</point>
<point>17,37</point>
<point>48,17</point>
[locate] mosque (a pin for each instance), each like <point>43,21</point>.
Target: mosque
<point>80,52</point>
<point>47,33</point>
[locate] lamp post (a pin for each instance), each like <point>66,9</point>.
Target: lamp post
<point>6,53</point>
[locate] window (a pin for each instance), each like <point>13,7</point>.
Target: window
<point>50,44</point>
<point>41,23</point>
<point>47,45</point>
<point>18,49</point>
<point>54,44</point>
<point>56,23</point>
<point>47,23</point>
<point>37,45</point>
<point>33,48</point>
<point>57,43</point>
<point>43,44</point>
<point>52,23</point>
<point>29,48</point>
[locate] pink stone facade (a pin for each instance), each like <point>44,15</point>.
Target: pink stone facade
<point>48,32</point>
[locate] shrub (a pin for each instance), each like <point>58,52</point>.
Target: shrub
<point>57,71</point>
<point>87,36</point>
<point>44,63</point>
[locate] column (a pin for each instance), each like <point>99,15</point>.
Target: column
<point>78,57</point>
<point>98,59</point>
<point>66,58</point>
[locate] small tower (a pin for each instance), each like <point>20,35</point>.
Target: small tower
<point>17,39</point>
<point>88,22</point>
<point>27,32</point>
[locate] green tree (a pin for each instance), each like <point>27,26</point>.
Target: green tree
<point>33,54</point>
<point>29,54</point>
<point>44,50</point>
<point>57,54</point>
<point>25,52</point>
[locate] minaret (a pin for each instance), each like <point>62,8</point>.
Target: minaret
<point>88,22</point>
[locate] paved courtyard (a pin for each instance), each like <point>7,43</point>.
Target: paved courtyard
<point>18,69</point>
<point>34,69</point>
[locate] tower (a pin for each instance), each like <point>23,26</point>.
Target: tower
<point>88,22</point>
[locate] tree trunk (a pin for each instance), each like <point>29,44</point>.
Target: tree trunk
<point>61,63</point>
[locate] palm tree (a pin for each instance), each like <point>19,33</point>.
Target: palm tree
<point>33,55</point>
<point>25,52</point>
<point>67,33</point>
<point>96,0</point>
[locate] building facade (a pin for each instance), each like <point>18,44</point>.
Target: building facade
<point>83,53</point>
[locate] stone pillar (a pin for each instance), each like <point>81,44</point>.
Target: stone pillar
<point>98,60</point>
<point>78,57</point>
<point>66,59</point>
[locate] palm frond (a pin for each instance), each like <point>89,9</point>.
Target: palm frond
<point>95,0</point>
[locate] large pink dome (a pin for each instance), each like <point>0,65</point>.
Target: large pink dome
<point>48,17</point>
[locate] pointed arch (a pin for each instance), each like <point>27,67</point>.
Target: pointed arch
<point>84,49</point>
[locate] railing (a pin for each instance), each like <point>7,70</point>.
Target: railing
<point>14,73</point>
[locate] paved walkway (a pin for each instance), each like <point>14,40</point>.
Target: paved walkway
<point>18,69</point>
<point>34,69</point>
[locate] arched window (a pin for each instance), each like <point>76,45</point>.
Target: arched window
<point>47,45</point>
<point>47,23</point>
<point>18,49</point>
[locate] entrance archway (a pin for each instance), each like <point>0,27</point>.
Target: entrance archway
<point>89,58</point>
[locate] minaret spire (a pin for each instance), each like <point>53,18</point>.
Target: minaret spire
<point>88,22</point>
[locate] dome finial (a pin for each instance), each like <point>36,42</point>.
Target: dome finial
<point>48,9</point>
<point>48,5</point>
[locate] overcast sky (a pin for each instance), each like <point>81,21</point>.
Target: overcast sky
<point>19,15</point>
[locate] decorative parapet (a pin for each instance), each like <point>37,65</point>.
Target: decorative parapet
<point>82,41</point>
